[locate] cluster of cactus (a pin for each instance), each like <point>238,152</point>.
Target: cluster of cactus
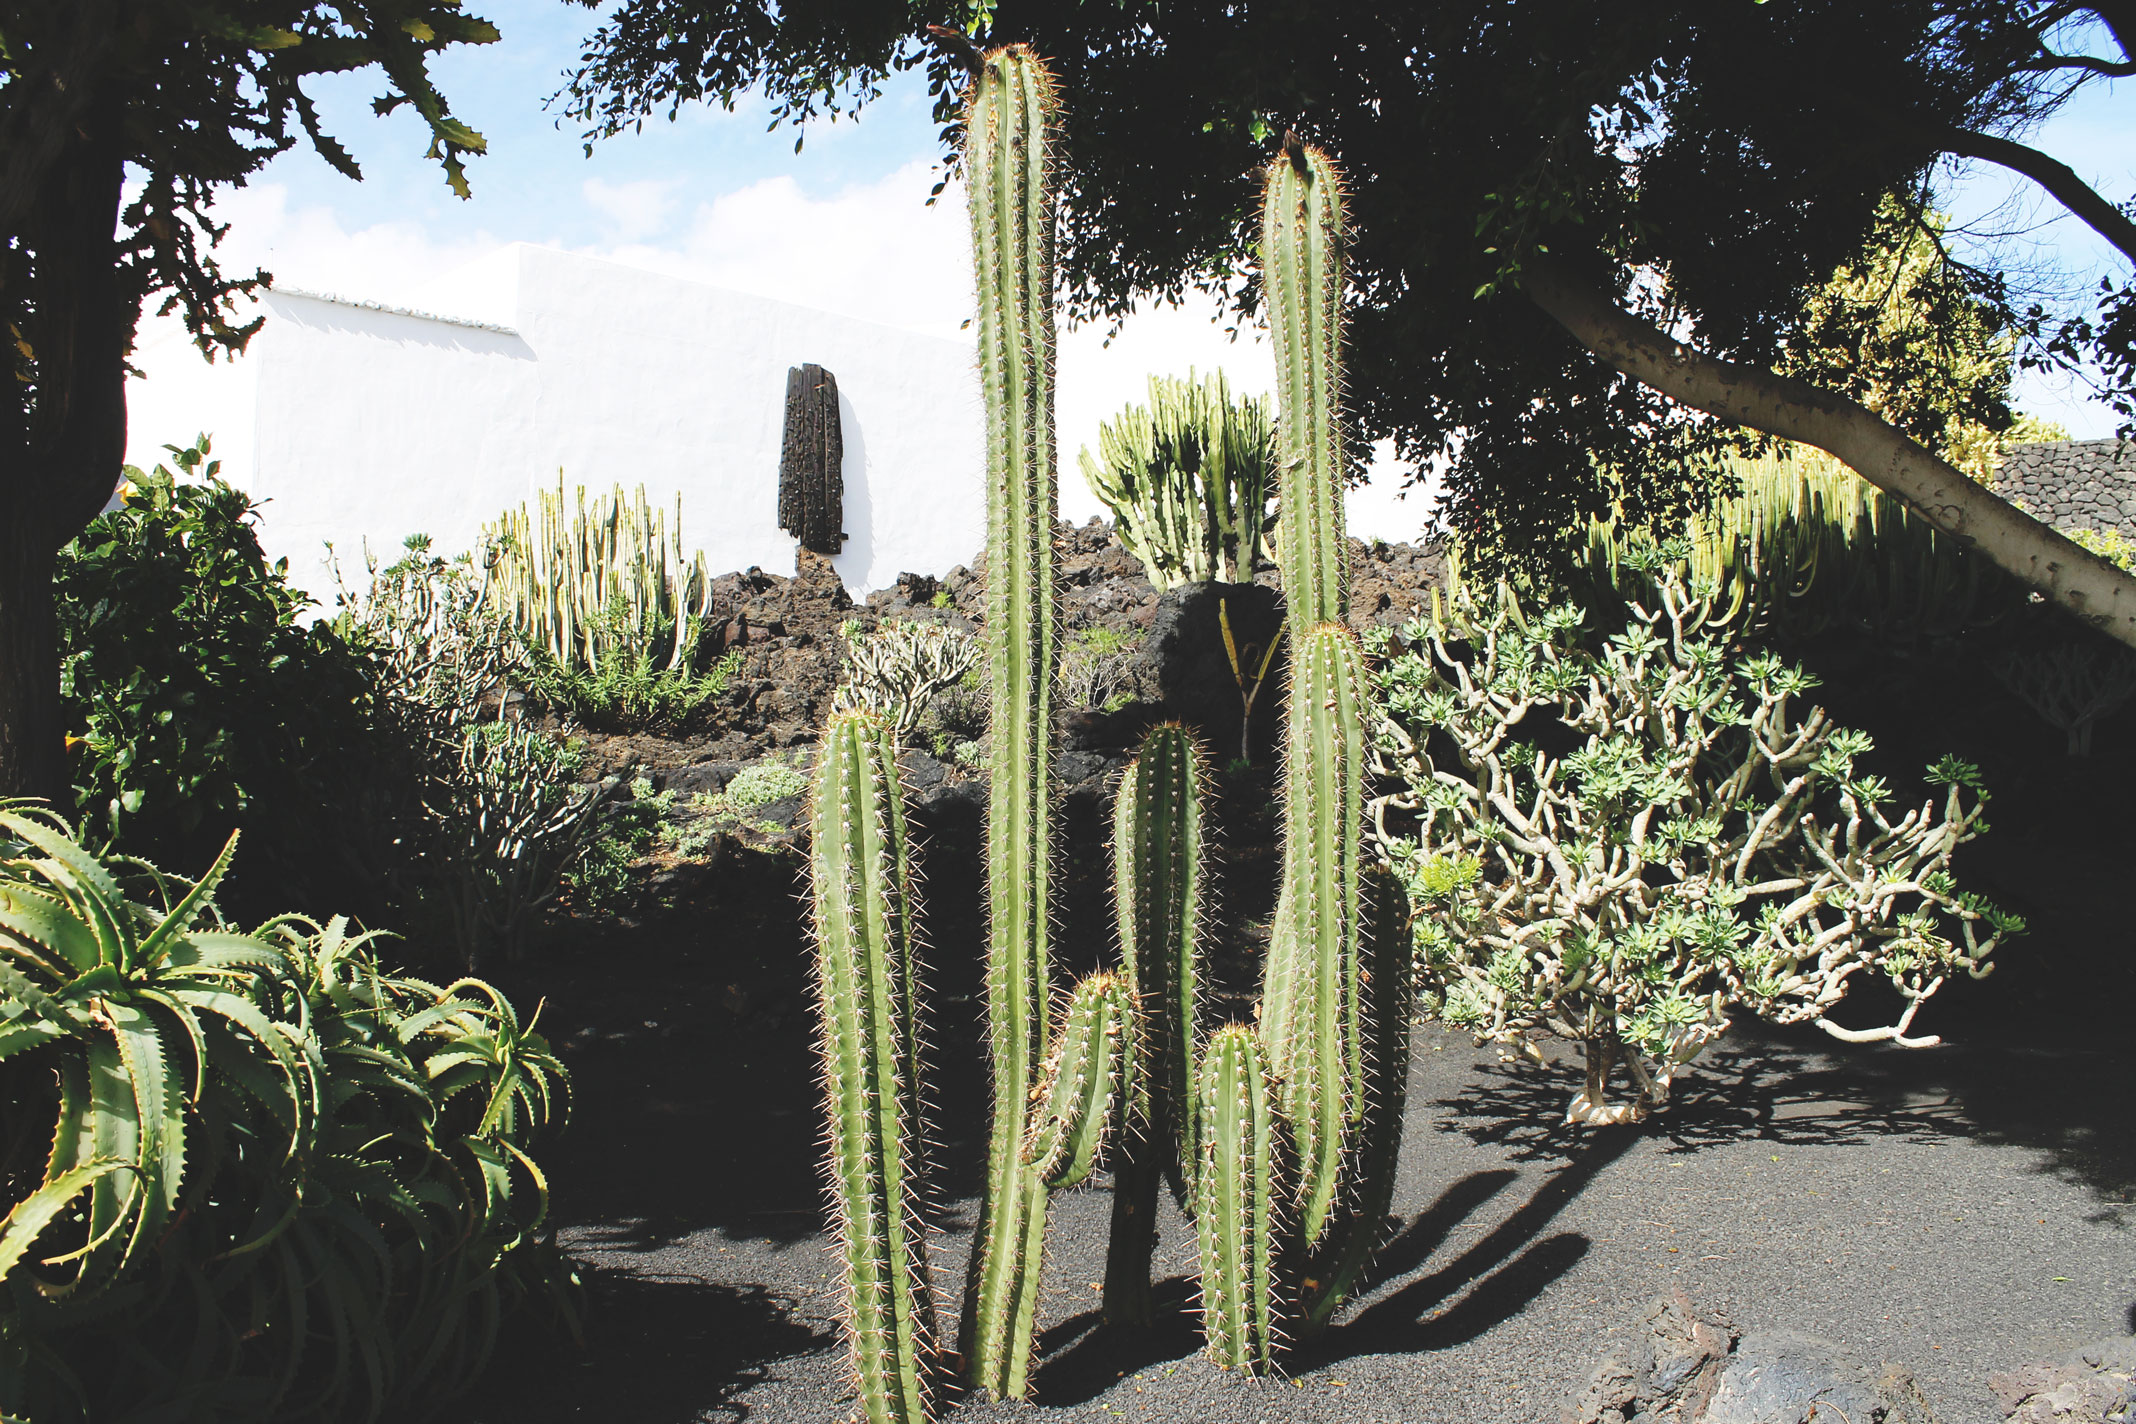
<point>898,669</point>
<point>1808,545</point>
<point>1279,1139</point>
<point>589,584</point>
<point>1188,479</point>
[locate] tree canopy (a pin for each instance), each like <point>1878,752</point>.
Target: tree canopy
<point>1704,167</point>
<point>119,120</point>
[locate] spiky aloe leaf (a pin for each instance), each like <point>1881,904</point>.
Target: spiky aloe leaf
<point>861,884</point>
<point>1303,229</point>
<point>1238,1189</point>
<point>1157,848</point>
<point>1010,120</point>
<point>1311,1008</point>
<point>1092,1069</point>
<point>1390,1000</point>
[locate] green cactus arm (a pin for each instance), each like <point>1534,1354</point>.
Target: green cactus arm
<point>1157,850</point>
<point>1391,1002</point>
<point>860,875</point>
<point>1009,127</point>
<point>1302,233</point>
<point>1092,1071</point>
<point>1238,1187</point>
<point>1311,1009</point>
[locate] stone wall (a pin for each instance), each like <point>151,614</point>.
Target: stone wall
<point>2073,484</point>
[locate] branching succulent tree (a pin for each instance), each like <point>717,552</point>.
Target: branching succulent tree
<point>188,97</point>
<point>1188,478</point>
<point>1710,845</point>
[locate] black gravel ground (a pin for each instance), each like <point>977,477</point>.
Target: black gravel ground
<point>1957,1210</point>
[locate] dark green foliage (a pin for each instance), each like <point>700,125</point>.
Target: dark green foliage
<point>196,700</point>
<point>304,1182</point>
<point>633,694</point>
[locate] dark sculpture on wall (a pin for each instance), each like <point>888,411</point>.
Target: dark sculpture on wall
<point>811,463</point>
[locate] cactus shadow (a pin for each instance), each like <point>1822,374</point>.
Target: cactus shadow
<point>1083,1356</point>
<point>1489,1281</point>
<point>679,1348</point>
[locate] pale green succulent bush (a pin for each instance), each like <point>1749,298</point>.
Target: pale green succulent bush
<point>763,783</point>
<point>1710,844</point>
<point>248,1176</point>
<point>899,669</point>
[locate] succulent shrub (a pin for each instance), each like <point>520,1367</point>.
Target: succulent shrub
<point>249,1176</point>
<point>762,783</point>
<point>495,813</point>
<point>1623,841</point>
<point>1098,667</point>
<point>898,670</point>
<point>1188,479</point>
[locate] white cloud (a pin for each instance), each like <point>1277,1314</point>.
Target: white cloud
<point>635,210</point>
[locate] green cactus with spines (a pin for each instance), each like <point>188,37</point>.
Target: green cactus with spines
<point>1010,120</point>
<point>1302,232</point>
<point>1239,1192</point>
<point>1390,1002</point>
<point>1093,1067</point>
<point>861,875</point>
<point>1157,850</point>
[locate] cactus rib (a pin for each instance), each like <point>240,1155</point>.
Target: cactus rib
<point>1009,125</point>
<point>1237,1186</point>
<point>866,1004</point>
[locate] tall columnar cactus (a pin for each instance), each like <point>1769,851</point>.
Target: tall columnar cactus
<point>1302,230</point>
<point>1010,121</point>
<point>867,1008</point>
<point>1157,848</point>
<point>1238,1200</point>
<point>1312,1008</point>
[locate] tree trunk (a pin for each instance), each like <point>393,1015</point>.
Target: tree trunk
<point>62,439</point>
<point>2080,582</point>
<point>32,753</point>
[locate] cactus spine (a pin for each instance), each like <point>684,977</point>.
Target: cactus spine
<point>1009,125</point>
<point>1157,850</point>
<point>861,872</point>
<point>1237,1200</point>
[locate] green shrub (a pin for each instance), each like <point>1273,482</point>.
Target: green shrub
<point>197,702</point>
<point>603,881</point>
<point>282,1183</point>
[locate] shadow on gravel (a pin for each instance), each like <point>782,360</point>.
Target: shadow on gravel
<point>2076,1107</point>
<point>677,1350</point>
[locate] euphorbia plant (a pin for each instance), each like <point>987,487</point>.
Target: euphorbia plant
<point>1708,845</point>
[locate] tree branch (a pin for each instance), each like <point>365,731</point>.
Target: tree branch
<point>2080,582</point>
<point>2057,177</point>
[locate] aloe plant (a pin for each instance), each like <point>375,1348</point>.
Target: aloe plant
<point>1010,121</point>
<point>293,1185</point>
<point>861,879</point>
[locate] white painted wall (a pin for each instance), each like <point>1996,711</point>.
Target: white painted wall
<point>370,424</point>
<point>358,424</point>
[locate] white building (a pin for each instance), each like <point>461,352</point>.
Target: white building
<point>358,423</point>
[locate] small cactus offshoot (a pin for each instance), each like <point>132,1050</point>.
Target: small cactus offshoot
<point>1238,1200</point>
<point>1091,1069</point>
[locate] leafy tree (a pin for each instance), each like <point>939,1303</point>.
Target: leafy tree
<point>1579,231</point>
<point>189,96</point>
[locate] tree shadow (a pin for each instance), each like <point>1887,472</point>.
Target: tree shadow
<point>678,1348</point>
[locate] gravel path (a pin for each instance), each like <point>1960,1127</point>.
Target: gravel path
<point>1954,1210</point>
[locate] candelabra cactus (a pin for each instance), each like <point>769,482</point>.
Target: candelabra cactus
<point>1157,899</point>
<point>861,870</point>
<point>1010,120</point>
